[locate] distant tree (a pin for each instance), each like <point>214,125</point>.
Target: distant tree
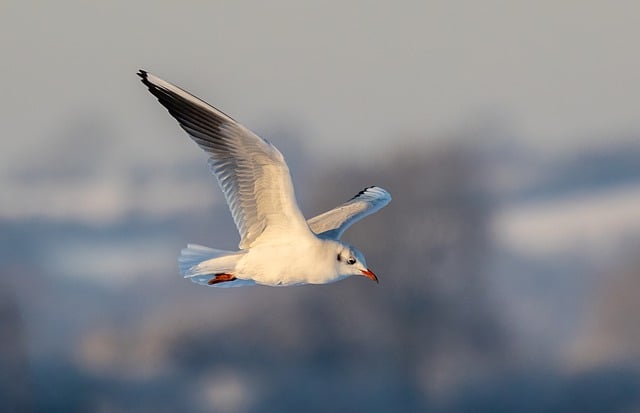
<point>611,335</point>
<point>430,247</point>
<point>14,377</point>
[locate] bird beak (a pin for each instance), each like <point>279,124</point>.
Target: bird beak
<point>369,274</point>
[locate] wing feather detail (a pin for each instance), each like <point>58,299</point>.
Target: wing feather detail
<point>332,224</point>
<point>251,172</point>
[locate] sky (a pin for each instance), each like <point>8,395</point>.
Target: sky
<point>347,80</point>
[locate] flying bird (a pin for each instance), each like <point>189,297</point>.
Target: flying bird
<point>278,247</point>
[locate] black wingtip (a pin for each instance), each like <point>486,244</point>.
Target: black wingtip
<point>363,191</point>
<point>144,78</point>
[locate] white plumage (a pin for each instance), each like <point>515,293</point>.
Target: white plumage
<point>277,245</point>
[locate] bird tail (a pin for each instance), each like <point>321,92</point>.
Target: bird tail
<point>199,264</point>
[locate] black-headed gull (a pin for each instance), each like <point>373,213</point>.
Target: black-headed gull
<point>277,245</point>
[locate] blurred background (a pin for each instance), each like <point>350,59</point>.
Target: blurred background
<point>507,133</point>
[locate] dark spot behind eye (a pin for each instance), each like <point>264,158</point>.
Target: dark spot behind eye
<point>339,257</point>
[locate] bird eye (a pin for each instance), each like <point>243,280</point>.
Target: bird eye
<point>351,261</point>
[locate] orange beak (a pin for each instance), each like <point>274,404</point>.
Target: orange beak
<point>369,274</point>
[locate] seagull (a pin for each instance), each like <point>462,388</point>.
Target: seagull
<point>278,247</point>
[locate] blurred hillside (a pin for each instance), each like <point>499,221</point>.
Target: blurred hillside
<point>490,298</point>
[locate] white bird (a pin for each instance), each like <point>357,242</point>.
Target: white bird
<point>278,246</point>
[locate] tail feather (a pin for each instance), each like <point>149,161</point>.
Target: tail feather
<point>194,254</point>
<point>200,263</point>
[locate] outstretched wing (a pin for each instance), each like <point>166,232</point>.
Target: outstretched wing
<point>251,172</point>
<point>332,224</point>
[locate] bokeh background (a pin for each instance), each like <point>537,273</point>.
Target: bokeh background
<point>507,132</point>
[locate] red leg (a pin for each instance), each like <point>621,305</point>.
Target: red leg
<point>220,278</point>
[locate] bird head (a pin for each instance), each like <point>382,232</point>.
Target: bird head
<point>350,261</point>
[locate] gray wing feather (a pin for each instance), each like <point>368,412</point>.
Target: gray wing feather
<point>251,172</point>
<point>332,224</point>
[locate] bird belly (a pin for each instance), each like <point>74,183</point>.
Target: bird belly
<point>281,265</point>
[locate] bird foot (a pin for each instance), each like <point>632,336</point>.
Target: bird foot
<point>220,278</point>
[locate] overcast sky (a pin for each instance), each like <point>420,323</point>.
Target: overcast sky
<point>350,78</point>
